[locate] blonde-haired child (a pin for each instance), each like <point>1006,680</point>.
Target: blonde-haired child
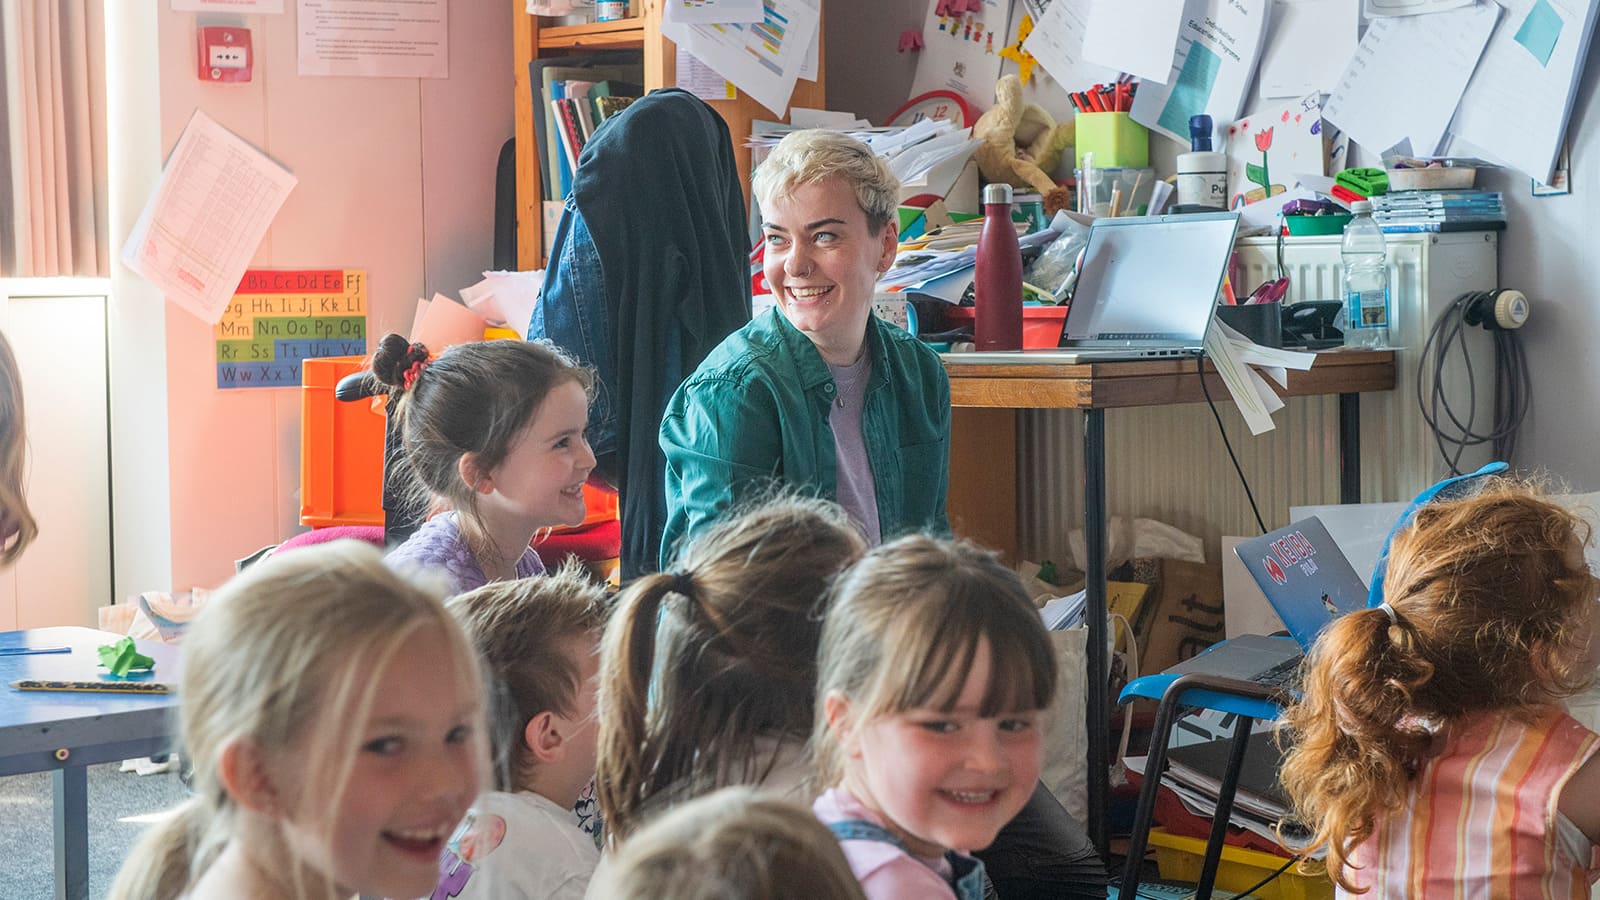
<point>493,432</point>
<point>17,527</point>
<point>707,671</point>
<point>334,718</point>
<point>735,842</point>
<point>539,639</point>
<point>1430,754</point>
<point>934,673</point>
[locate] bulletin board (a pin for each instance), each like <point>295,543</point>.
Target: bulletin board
<point>281,317</point>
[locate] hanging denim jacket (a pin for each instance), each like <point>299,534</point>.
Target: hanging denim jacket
<point>571,313</point>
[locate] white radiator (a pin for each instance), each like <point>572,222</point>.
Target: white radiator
<point>1168,463</point>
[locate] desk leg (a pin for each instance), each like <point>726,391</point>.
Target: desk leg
<point>1349,448</point>
<point>1097,713</point>
<point>71,794</point>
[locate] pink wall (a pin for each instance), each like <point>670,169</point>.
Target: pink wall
<point>373,156</point>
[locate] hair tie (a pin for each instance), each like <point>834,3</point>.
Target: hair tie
<point>682,583</point>
<point>410,376</point>
<point>1394,617</point>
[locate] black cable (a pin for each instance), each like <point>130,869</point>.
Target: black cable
<point>1200,367</point>
<point>1267,880</point>
<point>1512,386</point>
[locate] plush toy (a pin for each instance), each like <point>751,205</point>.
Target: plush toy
<point>1022,143</point>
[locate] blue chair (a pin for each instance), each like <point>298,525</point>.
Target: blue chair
<point>1248,700</point>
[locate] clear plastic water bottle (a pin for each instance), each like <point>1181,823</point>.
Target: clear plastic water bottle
<point>1366,280</point>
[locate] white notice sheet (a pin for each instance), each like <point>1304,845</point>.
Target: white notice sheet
<point>233,6</point>
<point>709,12</point>
<point>212,206</point>
<point>763,58</point>
<point>1135,36</point>
<point>961,51</point>
<point>1218,44</point>
<point>374,38</point>
<point>1329,26</point>
<point>1381,102</point>
<point>1516,105</point>
<point>700,79</point>
<point>1374,8</point>
<point>1057,43</point>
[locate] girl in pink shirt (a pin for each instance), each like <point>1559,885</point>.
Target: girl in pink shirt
<point>1431,756</point>
<point>933,675</point>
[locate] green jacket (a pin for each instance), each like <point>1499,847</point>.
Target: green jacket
<point>756,413</point>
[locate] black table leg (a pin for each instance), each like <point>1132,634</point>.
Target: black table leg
<point>1097,700</point>
<point>70,787</point>
<point>1349,448</point>
<point>1219,821</point>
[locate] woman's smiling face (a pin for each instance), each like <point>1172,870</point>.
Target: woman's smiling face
<point>822,260</point>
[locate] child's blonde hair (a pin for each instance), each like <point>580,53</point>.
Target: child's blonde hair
<point>283,652</point>
<point>524,631</point>
<point>902,631</point>
<point>474,398</point>
<point>732,844</point>
<point>13,462</point>
<point>699,664</point>
<point>1486,592</point>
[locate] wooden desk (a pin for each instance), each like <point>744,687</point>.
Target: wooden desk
<point>983,468</point>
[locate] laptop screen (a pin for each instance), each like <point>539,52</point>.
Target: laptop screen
<point>1150,280</point>
<point>1305,577</point>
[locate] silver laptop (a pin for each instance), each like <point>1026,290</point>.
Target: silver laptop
<point>1146,290</point>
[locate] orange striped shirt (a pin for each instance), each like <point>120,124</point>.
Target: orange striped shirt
<point>1481,819</point>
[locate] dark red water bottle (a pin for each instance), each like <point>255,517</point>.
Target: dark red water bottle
<point>997,282</point>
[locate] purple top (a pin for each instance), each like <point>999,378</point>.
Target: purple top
<point>854,486</point>
<point>439,546</point>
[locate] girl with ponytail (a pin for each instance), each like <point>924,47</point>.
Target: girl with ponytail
<point>493,435</point>
<point>1431,755</point>
<point>708,671</point>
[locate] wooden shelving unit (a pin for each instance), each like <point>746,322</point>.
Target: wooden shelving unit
<point>533,40</point>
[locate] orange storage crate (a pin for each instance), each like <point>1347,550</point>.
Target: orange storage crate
<point>1041,325</point>
<point>341,448</point>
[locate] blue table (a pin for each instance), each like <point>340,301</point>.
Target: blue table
<point>64,733</point>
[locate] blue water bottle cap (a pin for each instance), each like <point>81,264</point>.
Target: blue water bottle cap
<point>1200,132</point>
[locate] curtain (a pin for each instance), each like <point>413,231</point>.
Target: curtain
<point>52,139</point>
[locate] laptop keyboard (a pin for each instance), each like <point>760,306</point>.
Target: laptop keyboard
<point>1283,675</point>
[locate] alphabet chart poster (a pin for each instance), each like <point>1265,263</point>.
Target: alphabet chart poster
<point>278,317</point>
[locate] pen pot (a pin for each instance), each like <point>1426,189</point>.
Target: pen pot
<point>1115,139</point>
<point>1115,192</point>
<point>1260,322</point>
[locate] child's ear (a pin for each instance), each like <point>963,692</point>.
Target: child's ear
<point>474,477</point>
<point>836,707</point>
<point>244,774</point>
<point>546,738</point>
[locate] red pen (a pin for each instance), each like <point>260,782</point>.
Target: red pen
<point>1095,101</point>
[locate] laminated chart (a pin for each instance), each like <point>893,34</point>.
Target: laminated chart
<point>279,318</point>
